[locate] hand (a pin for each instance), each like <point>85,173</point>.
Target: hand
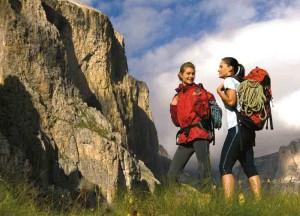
<point>175,100</point>
<point>220,88</point>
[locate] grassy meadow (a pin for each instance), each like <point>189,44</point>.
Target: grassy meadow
<point>23,199</point>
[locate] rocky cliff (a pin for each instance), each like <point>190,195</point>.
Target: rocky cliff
<point>67,102</point>
<point>289,162</point>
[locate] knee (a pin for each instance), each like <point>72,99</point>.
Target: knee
<point>250,171</point>
<point>223,169</point>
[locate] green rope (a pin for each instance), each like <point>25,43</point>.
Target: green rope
<point>252,98</point>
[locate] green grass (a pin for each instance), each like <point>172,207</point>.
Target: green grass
<point>19,200</point>
<point>22,199</point>
<point>182,200</point>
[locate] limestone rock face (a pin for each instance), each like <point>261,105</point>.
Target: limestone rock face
<point>98,68</point>
<point>67,101</point>
<point>289,162</point>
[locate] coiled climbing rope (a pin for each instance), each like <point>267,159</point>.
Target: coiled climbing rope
<point>252,98</point>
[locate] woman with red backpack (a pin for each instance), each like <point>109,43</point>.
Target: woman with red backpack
<point>240,139</point>
<point>191,112</point>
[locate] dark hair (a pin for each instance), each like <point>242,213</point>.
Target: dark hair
<point>238,68</point>
<point>184,66</point>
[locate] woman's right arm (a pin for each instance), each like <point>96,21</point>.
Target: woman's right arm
<point>173,110</point>
<point>228,96</point>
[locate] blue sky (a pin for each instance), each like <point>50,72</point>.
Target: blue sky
<point>157,23</point>
<point>153,23</point>
<point>162,34</point>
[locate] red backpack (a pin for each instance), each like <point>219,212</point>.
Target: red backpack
<point>255,95</point>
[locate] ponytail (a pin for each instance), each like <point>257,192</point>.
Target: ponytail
<point>240,71</point>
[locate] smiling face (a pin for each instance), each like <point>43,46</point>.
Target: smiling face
<point>225,70</point>
<point>187,76</point>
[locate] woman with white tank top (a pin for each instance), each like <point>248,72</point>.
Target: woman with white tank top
<point>231,71</point>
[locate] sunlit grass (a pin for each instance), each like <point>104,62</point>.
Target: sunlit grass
<point>183,200</point>
<point>23,199</point>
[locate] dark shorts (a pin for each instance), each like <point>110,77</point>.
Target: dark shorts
<point>238,145</point>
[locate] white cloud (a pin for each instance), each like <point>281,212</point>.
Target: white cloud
<point>234,14</point>
<point>230,14</point>
<point>282,8</point>
<point>87,2</point>
<point>288,110</point>
<point>142,25</point>
<point>142,22</point>
<point>147,2</point>
<point>163,59</point>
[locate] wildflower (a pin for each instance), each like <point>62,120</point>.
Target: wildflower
<point>241,199</point>
<point>130,200</point>
<point>214,187</point>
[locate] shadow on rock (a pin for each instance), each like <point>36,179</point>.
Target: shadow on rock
<point>32,154</point>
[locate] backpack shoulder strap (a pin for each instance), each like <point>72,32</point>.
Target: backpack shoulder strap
<point>200,85</point>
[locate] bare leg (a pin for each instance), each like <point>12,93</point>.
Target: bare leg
<point>228,186</point>
<point>255,186</point>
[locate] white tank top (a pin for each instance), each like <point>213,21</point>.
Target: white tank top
<point>231,83</point>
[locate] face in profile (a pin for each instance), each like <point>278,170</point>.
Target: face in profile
<point>224,70</point>
<point>188,76</point>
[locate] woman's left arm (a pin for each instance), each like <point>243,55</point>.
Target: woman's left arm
<point>228,96</point>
